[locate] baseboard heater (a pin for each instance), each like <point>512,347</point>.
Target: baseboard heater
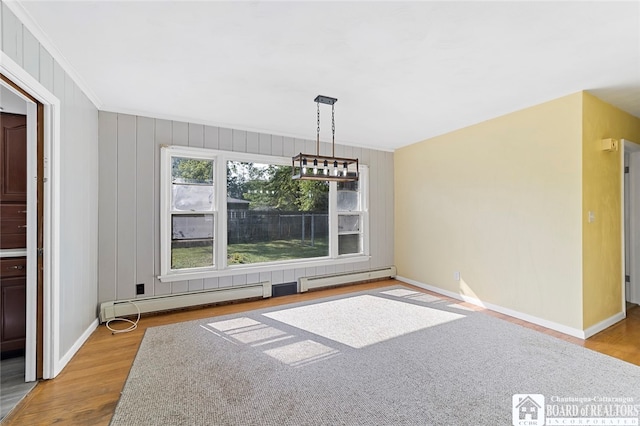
<point>119,308</point>
<point>308,283</point>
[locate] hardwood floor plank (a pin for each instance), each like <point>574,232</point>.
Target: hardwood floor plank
<point>88,389</point>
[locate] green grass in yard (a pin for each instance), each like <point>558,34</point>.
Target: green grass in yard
<point>191,257</point>
<point>273,251</point>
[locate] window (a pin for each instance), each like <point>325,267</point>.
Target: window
<point>271,221</point>
<point>271,217</point>
<point>189,214</point>
<point>350,218</point>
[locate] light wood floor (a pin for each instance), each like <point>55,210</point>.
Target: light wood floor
<point>87,390</point>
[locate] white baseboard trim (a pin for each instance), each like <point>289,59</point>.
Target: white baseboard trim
<point>580,334</point>
<point>62,362</point>
<point>597,328</point>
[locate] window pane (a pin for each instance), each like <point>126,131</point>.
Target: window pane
<point>191,253</point>
<point>192,197</point>
<point>188,226</point>
<point>190,170</point>
<point>348,244</point>
<point>192,184</point>
<point>348,197</point>
<point>191,241</point>
<point>271,217</point>
<point>348,223</point>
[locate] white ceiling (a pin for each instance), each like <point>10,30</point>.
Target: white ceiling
<point>402,71</point>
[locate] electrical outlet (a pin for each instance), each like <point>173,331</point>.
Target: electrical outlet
<point>139,288</point>
<point>456,276</point>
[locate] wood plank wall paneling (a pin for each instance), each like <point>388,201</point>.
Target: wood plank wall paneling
<point>126,206</point>
<point>78,179</point>
<point>264,144</point>
<point>12,33</point>
<point>211,137</point>
<point>138,242</point>
<point>31,56</point>
<point>277,146</point>
<point>226,139</point>
<point>145,203</point>
<point>253,143</point>
<point>108,206</point>
<point>46,69</point>
<point>239,141</point>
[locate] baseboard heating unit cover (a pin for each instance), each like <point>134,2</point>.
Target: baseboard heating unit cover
<point>308,283</point>
<point>119,308</point>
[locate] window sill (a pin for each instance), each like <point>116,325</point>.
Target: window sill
<point>256,269</point>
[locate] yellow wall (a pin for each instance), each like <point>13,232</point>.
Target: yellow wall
<point>500,202</point>
<point>602,245</point>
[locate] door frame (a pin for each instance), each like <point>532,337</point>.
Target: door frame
<point>33,328</point>
<point>633,204</point>
<point>49,115</point>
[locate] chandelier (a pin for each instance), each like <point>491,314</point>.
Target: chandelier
<point>322,167</point>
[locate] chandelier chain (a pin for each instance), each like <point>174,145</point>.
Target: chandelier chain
<point>333,129</point>
<point>318,131</point>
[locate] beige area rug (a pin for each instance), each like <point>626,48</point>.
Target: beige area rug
<point>390,356</point>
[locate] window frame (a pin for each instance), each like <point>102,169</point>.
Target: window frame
<point>220,267</point>
<point>361,212</point>
<point>167,212</point>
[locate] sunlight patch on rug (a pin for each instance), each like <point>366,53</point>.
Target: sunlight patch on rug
<point>362,320</point>
<point>248,331</point>
<point>302,353</point>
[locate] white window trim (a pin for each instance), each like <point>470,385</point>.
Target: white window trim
<point>220,267</point>
<point>166,153</point>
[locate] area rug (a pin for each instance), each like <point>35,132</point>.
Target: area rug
<point>389,356</point>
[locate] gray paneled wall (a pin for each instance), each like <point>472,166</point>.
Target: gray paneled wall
<point>78,254</point>
<point>129,204</point>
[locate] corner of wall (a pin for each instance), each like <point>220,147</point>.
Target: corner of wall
<point>602,228</point>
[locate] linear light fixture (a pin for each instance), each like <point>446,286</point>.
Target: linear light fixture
<point>322,167</point>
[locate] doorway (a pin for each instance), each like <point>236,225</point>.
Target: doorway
<point>20,348</point>
<point>631,211</point>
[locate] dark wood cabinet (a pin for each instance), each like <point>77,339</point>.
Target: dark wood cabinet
<point>13,300</point>
<point>13,232</point>
<point>13,181</point>
<point>13,158</point>
<point>13,226</point>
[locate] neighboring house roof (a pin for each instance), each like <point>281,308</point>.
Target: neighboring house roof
<point>236,201</point>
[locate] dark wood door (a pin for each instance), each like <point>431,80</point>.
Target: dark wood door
<point>13,158</point>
